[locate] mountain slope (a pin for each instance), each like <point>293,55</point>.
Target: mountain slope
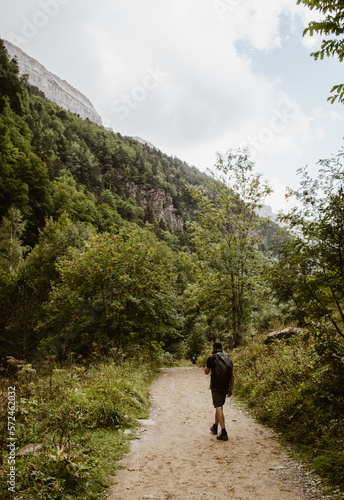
<point>48,152</point>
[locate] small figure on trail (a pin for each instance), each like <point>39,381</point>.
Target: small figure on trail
<point>221,385</point>
<point>194,360</point>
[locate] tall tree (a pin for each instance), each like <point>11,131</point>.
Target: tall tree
<point>23,293</point>
<point>227,238</point>
<point>310,268</point>
<point>11,89</point>
<point>331,25</point>
<point>12,250</point>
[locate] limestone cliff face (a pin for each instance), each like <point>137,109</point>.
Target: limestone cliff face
<point>160,202</point>
<point>55,89</point>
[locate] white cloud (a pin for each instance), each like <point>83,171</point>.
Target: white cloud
<point>211,91</point>
<point>277,199</point>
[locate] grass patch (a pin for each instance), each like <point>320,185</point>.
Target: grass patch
<point>289,387</point>
<point>78,414</point>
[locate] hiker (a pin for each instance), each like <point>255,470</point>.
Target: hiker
<point>221,385</point>
<point>194,360</point>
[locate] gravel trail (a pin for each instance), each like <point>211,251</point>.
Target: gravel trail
<point>177,458</point>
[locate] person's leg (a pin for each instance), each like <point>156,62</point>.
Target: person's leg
<point>219,398</point>
<point>220,417</point>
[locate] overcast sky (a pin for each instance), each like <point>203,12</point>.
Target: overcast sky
<point>194,77</point>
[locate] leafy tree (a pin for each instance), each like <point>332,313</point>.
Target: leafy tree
<point>310,273</point>
<point>10,83</point>
<point>55,241</point>
<point>120,290</point>
<point>197,337</point>
<point>331,24</point>
<point>23,296</point>
<point>226,240</point>
<point>23,176</point>
<point>73,199</point>
<point>12,250</point>
<point>310,267</point>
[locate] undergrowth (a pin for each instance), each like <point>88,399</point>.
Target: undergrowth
<point>289,387</point>
<point>78,414</point>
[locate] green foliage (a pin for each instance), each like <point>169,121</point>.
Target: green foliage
<point>12,251</point>
<point>56,239</point>
<point>268,315</point>
<point>120,289</point>
<point>331,24</point>
<point>69,179</point>
<point>226,239</point>
<point>24,293</point>
<point>23,175</point>
<point>74,200</point>
<point>288,386</point>
<point>197,336</point>
<point>79,415</point>
<point>10,84</point>
<point>310,266</point>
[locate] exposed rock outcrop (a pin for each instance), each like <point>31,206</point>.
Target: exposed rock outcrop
<point>160,202</point>
<point>30,449</point>
<point>54,89</point>
<point>283,334</point>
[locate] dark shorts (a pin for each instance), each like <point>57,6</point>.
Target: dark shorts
<point>219,397</point>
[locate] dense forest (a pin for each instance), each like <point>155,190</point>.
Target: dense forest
<point>89,269</point>
<point>69,206</point>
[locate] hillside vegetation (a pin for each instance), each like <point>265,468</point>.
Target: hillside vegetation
<point>289,387</point>
<point>81,417</point>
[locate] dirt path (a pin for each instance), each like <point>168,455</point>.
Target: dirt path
<point>176,457</point>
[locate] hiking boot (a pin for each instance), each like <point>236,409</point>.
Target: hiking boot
<point>223,436</point>
<point>213,429</point>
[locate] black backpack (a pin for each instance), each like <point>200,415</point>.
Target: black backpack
<point>222,373</point>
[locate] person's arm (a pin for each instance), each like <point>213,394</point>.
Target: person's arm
<point>230,390</point>
<point>208,366</point>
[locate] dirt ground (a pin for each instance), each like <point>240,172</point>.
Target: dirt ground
<point>176,457</point>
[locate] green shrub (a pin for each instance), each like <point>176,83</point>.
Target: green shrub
<point>288,386</point>
<point>78,414</point>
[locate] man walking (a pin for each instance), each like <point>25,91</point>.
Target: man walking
<point>221,385</point>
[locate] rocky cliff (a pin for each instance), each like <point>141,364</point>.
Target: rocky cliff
<point>160,202</point>
<point>54,89</point>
